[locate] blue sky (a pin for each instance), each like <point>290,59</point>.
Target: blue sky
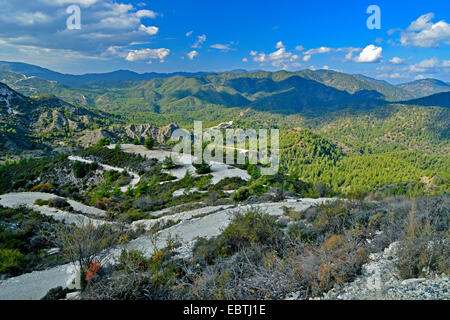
<point>205,35</point>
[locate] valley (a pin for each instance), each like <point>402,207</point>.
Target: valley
<point>93,204</point>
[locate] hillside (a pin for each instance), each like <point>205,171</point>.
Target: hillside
<point>286,92</point>
<point>80,80</point>
<point>425,87</point>
<point>439,99</point>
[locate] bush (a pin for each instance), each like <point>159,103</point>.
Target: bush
<point>80,169</point>
<point>424,248</point>
<point>202,168</point>
<point>42,187</point>
<point>168,163</point>
<point>11,261</point>
<point>103,142</point>
<point>245,230</point>
<point>241,194</point>
<point>40,202</point>
<point>59,203</point>
<point>149,143</point>
<point>134,215</point>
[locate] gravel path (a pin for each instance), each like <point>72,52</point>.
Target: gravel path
<point>219,171</point>
<point>35,285</point>
<point>134,181</point>
<point>27,199</point>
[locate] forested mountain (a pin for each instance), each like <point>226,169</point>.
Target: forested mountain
<point>280,91</point>
<point>351,110</point>
<point>80,80</point>
<point>439,99</point>
<point>425,87</point>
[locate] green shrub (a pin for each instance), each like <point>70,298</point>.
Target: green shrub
<point>40,202</point>
<point>134,215</point>
<point>202,168</point>
<point>241,194</point>
<point>168,163</point>
<point>251,229</point>
<point>11,261</point>
<point>103,142</point>
<point>80,169</point>
<point>149,143</point>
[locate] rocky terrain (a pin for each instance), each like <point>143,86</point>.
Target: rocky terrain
<point>380,281</point>
<point>204,222</point>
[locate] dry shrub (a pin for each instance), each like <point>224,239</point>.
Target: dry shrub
<point>42,187</point>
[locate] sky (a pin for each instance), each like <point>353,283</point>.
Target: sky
<point>412,41</point>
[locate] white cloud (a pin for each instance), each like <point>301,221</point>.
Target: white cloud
<point>86,3</point>
<point>325,67</point>
<point>192,54</point>
<point>395,75</point>
<point>349,52</point>
<point>244,60</point>
<point>419,77</point>
<point>149,30</point>
<point>280,58</point>
<point>318,50</point>
<point>396,60</point>
<point>146,14</point>
<point>370,54</point>
<point>200,40</point>
<point>42,24</point>
<point>188,34</point>
<point>424,33</point>
<point>223,47</point>
<point>426,65</point>
<point>260,57</point>
<point>148,54</point>
<point>299,48</point>
<point>446,63</point>
<point>307,57</point>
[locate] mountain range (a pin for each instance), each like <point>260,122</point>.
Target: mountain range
<point>353,110</point>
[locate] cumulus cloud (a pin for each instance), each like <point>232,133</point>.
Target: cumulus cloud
<point>223,47</point>
<point>189,33</point>
<point>396,60</point>
<point>146,14</point>
<point>42,27</point>
<point>348,52</point>
<point>318,50</point>
<point>280,58</point>
<point>200,40</point>
<point>149,30</point>
<point>192,54</point>
<point>370,54</point>
<point>424,33</point>
<point>299,48</point>
<point>427,65</point>
<point>148,54</point>
<point>85,3</point>
<point>307,57</point>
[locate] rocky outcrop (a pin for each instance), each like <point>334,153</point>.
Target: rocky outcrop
<point>143,131</point>
<point>91,137</point>
<point>379,281</point>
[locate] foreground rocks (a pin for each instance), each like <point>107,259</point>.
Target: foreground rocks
<point>202,223</point>
<point>379,281</point>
